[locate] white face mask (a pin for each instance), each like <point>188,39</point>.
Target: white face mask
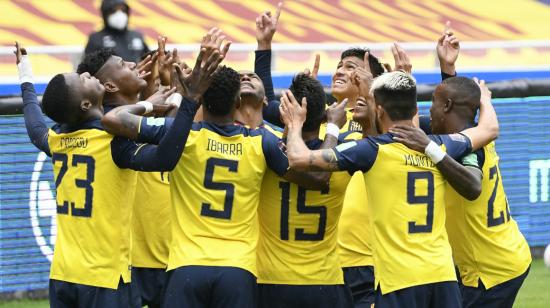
<point>118,20</point>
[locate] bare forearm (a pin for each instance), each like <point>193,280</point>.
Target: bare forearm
<point>465,180</point>
<point>301,158</point>
<point>124,121</point>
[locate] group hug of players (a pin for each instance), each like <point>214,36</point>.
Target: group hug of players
<point>177,186</point>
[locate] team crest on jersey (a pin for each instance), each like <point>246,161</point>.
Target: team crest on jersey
<point>42,205</point>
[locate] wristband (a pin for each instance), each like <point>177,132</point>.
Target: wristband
<point>434,152</point>
<point>148,106</point>
<point>25,70</point>
<point>332,129</point>
<point>174,99</point>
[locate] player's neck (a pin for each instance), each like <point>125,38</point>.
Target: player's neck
<point>249,114</point>
<point>117,99</point>
<point>387,124</point>
<point>307,136</point>
<point>222,120</point>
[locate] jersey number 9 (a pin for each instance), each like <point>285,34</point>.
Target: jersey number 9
<point>428,199</point>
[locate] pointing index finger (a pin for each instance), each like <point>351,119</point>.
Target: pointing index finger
<point>366,61</point>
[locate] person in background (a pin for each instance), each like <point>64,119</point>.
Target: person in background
<point>127,44</point>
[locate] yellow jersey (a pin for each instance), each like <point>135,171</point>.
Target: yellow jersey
<point>486,241</point>
<point>151,220</point>
<point>298,231</point>
<point>406,193</point>
<point>354,239</point>
<point>215,191</point>
<point>350,126</point>
<point>93,209</point>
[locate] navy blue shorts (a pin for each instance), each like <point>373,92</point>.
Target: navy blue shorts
<point>303,296</point>
<point>70,295</point>
<point>434,295</point>
<point>360,281</point>
<point>210,286</point>
<point>148,286</point>
<point>500,296</point>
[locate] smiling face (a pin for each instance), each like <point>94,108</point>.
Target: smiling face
<point>251,85</point>
<point>364,111</point>
<point>341,86</point>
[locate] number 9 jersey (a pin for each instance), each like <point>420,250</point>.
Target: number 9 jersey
<point>406,193</point>
<point>93,209</point>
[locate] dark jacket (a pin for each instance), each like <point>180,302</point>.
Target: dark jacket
<point>127,44</point>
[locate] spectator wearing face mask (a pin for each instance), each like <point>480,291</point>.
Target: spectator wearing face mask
<point>127,44</point>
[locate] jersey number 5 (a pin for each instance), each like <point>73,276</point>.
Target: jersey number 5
<point>206,208</point>
<point>80,183</point>
<point>302,208</point>
<point>428,199</point>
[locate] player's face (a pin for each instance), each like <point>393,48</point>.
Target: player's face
<point>84,87</point>
<point>125,75</point>
<point>251,84</point>
<point>364,111</point>
<point>341,86</point>
<point>437,116</point>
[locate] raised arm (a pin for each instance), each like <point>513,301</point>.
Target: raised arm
<point>299,156</point>
<point>36,126</point>
<point>487,128</point>
<point>466,180</point>
<point>448,48</point>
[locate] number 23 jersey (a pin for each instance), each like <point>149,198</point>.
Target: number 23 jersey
<point>93,209</point>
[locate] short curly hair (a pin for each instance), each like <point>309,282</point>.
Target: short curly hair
<point>93,61</point>
<point>223,92</point>
<point>375,67</point>
<point>310,88</point>
<point>56,99</point>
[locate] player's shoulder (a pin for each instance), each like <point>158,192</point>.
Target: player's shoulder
<point>349,136</point>
<point>228,130</point>
<point>67,129</point>
<point>442,139</point>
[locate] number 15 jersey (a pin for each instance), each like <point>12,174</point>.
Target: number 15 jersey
<point>406,193</point>
<point>215,191</point>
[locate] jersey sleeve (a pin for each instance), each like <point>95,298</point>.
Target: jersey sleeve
<point>161,157</point>
<point>457,145</point>
<point>36,126</point>
<point>475,159</point>
<point>262,68</point>
<point>356,155</point>
<point>274,152</point>
<point>151,130</point>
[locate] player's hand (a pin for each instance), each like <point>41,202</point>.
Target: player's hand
<point>292,114</point>
<point>215,39</point>
<point>147,68</point>
<point>159,97</point>
<point>315,71</point>
<point>402,61</point>
<point>196,81</point>
<point>266,25</point>
<point>412,137</point>
<point>362,77</point>
<point>448,48</point>
<point>336,113</point>
<point>486,94</point>
<point>165,61</point>
<point>19,52</point>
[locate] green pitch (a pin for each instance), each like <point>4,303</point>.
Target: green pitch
<point>533,294</point>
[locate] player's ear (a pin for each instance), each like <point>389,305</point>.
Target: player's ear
<point>448,105</point>
<point>265,102</point>
<point>85,105</point>
<point>238,102</point>
<point>110,86</point>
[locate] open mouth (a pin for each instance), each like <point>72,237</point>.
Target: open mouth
<point>339,82</point>
<point>361,102</point>
<point>246,85</point>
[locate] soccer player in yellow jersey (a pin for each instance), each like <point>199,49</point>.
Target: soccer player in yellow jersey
<point>297,253</point>
<point>413,263</point>
<point>91,263</point>
<point>353,240</point>
<point>491,254</point>
<point>151,206</point>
